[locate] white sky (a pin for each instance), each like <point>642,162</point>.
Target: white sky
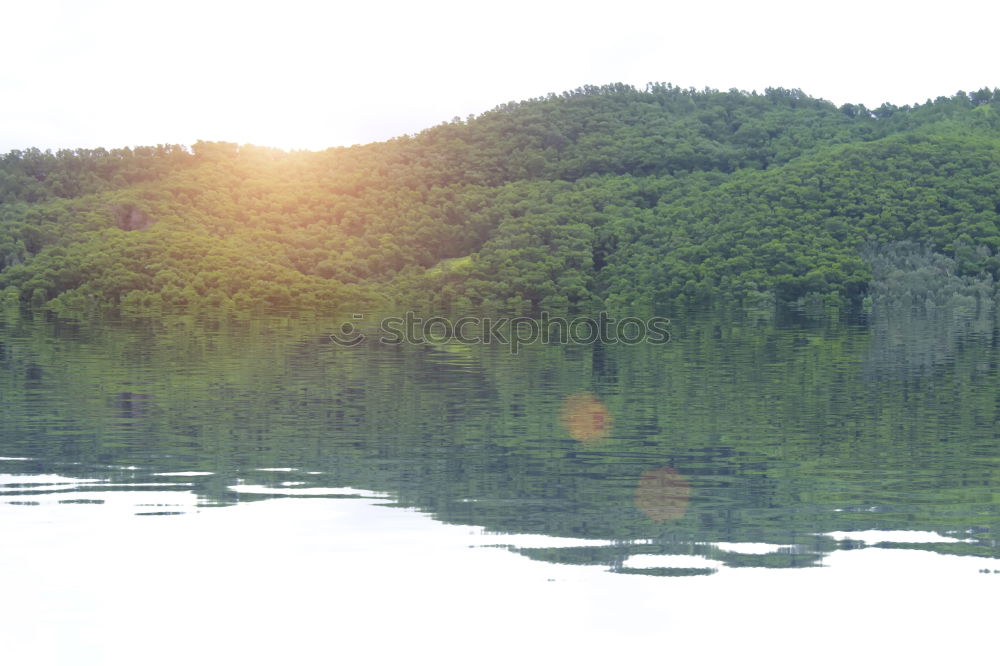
<point>296,74</point>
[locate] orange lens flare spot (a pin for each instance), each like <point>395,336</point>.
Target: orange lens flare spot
<point>585,418</point>
<point>663,494</point>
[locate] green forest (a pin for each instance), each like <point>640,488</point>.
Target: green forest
<point>608,197</point>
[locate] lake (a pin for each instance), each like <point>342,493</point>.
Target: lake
<point>800,487</point>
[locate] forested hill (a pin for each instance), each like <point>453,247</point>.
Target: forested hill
<point>603,197</point>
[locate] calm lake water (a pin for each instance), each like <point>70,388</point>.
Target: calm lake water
<point>251,493</point>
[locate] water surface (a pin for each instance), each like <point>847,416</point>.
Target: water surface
<point>251,492</point>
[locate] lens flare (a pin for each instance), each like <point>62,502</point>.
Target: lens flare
<point>585,418</point>
<point>663,494</point>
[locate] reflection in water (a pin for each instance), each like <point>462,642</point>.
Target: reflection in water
<point>282,580</point>
<point>780,428</point>
<point>924,311</point>
<point>126,445</point>
<point>585,418</point>
<point>663,494</point>
<point>132,405</point>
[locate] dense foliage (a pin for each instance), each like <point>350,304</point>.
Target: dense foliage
<point>601,197</point>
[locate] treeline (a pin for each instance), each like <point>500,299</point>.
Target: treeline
<point>32,175</point>
<point>601,197</point>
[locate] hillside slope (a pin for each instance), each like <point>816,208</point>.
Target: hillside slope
<point>604,197</point>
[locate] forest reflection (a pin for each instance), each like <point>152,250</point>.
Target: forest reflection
<point>743,429</point>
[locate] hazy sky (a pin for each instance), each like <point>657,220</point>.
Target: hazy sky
<point>297,74</point>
